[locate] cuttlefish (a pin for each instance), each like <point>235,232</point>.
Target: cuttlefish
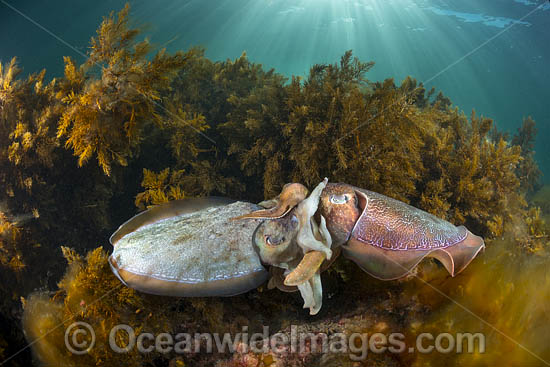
<point>218,247</point>
<point>385,237</point>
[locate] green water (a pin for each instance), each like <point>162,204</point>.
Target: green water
<point>488,55</point>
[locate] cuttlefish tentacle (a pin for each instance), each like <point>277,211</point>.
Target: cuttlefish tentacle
<point>307,277</point>
<point>277,279</point>
<point>317,289</point>
<point>307,295</point>
<point>312,293</point>
<point>292,240</point>
<point>315,241</point>
<point>308,228</point>
<point>307,268</point>
<point>278,207</point>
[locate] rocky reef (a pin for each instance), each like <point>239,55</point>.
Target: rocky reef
<point>134,126</point>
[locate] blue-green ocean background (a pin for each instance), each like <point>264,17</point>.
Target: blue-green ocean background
<point>437,42</point>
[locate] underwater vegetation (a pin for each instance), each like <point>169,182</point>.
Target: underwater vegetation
<point>133,127</point>
<point>110,98</point>
<point>160,188</point>
<point>496,290</point>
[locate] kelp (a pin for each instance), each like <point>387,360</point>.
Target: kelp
<point>87,293</point>
<point>44,199</point>
<point>28,117</point>
<point>28,149</point>
<point>535,235</point>
<point>90,293</point>
<point>10,254</point>
<point>39,178</point>
<point>541,199</point>
<point>224,93</point>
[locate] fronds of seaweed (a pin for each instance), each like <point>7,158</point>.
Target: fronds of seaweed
<point>28,117</point>
<point>160,188</point>
<point>535,237</point>
<point>88,293</point>
<point>10,255</point>
<point>507,292</point>
<point>471,179</point>
<point>44,198</point>
<point>398,140</point>
<point>104,114</point>
<point>527,171</point>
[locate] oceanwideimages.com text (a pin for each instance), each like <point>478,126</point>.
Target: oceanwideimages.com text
<point>80,339</point>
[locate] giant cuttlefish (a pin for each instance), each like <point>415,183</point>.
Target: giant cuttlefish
<point>202,247</point>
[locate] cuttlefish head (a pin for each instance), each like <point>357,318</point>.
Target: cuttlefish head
<point>290,239</point>
<point>275,240</point>
<point>291,195</point>
<point>339,204</point>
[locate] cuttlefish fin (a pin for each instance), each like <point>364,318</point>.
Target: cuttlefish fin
<point>457,257</point>
<point>306,269</point>
<point>278,207</point>
<point>382,263</point>
<point>167,210</point>
<point>388,265</point>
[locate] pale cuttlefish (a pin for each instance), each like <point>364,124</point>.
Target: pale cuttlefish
<point>215,247</point>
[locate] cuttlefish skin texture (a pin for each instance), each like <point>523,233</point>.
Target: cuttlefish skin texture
<point>189,248</point>
<point>389,237</point>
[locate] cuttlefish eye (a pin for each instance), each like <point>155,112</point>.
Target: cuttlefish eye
<point>275,235</point>
<point>339,199</point>
<point>273,241</point>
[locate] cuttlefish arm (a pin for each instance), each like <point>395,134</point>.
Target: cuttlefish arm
<point>291,240</point>
<point>315,241</point>
<point>277,275</point>
<point>292,195</point>
<point>305,211</point>
<point>306,269</point>
<point>312,293</point>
